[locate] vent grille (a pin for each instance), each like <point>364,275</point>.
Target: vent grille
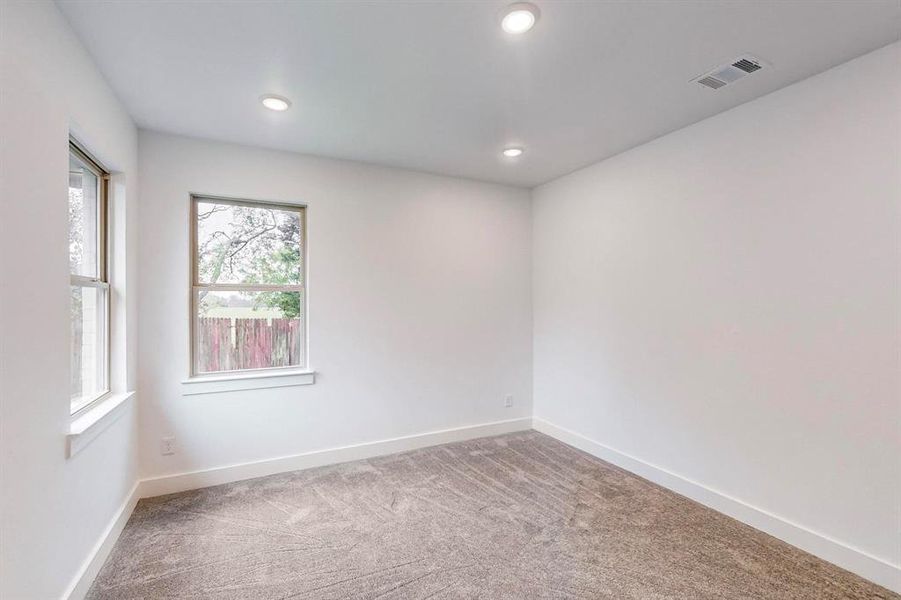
<point>711,82</point>
<point>730,73</point>
<point>746,65</point>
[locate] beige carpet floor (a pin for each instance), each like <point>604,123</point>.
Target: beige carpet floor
<point>518,516</point>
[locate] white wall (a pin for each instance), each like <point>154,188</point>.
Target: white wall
<point>420,310</point>
<point>724,303</point>
<point>53,510</point>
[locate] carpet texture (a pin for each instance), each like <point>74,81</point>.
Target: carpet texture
<point>518,516</point>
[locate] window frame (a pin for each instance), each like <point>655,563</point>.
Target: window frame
<point>101,281</point>
<point>195,285</point>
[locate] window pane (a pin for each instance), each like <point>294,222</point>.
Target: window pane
<point>88,344</point>
<point>84,219</point>
<point>248,330</point>
<point>248,244</point>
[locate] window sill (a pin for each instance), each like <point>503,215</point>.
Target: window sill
<point>214,384</point>
<point>88,426</point>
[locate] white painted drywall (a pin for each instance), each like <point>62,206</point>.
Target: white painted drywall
<point>723,303</point>
<point>53,510</point>
<point>420,305</point>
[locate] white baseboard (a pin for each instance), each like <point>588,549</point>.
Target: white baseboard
<point>854,560</point>
<point>80,585</point>
<point>170,484</point>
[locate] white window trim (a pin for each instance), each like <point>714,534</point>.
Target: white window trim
<point>90,423</point>
<point>237,381</point>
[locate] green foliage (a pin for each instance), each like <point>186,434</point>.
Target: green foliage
<point>287,302</point>
<point>280,268</point>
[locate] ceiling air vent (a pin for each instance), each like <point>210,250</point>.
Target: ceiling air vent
<point>748,66</point>
<point>711,82</point>
<point>726,74</point>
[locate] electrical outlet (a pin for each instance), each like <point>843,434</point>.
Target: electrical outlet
<point>167,446</point>
<point>508,401</point>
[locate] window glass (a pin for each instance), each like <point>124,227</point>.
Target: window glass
<point>89,288</point>
<point>88,344</point>
<point>84,216</point>
<point>248,244</point>
<point>249,330</point>
<point>248,291</point>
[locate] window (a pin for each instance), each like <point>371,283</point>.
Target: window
<point>88,282</point>
<point>247,296</point>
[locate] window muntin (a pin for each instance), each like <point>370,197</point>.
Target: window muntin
<point>247,299</point>
<point>88,282</point>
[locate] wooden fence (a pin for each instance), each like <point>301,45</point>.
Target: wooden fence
<point>227,344</point>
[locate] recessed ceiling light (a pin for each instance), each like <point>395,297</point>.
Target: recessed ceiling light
<point>273,102</point>
<point>513,152</point>
<point>519,17</point>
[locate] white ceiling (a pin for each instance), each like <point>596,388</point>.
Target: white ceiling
<point>439,87</point>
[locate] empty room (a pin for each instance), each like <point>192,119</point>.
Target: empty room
<point>450,299</point>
